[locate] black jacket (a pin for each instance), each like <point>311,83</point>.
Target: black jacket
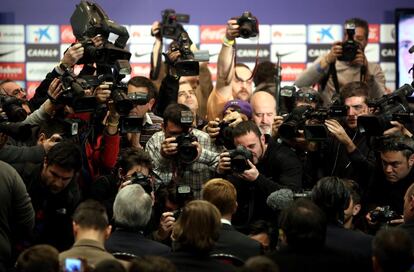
<point>279,168</point>
<point>16,212</point>
<point>235,243</point>
<point>134,242</point>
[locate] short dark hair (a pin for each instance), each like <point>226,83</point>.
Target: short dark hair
<point>92,215</point>
<point>140,81</point>
<point>173,114</point>
<point>332,196</point>
<point>245,127</point>
<point>355,88</point>
<point>397,142</point>
<point>265,72</point>
<point>132,156</point>
<point>393,250</point>
<point>304,225</point>
<point>359,23</point>
<point>152,264</point>
<point>66,155</point>
<point>354,190</point>
<point>38,258</point>
<point>51,127</point>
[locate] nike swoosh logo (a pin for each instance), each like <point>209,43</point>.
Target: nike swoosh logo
<point>7,53</point>
<point>141,55</point>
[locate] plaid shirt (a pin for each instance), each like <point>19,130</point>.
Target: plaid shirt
<point>194,174</point>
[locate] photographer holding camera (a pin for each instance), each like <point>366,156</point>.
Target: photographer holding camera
<point>393,175</point>
<point>258,167</point>
<point>234,81</point>
<point>347,154</point>
<point>181,154</point>
<point>346,62</point>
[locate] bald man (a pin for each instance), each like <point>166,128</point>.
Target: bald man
<point>264,112</point>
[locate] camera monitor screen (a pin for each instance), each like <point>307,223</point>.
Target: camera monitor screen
<point>404,42</point>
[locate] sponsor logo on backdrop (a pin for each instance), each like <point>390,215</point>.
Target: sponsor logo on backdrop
<point>140,34</point>
<point>140,69</point>
<point>290,71</point>
<point>14,71</point>
<point>213,70</point>
<point>31,88</point>
<point>324,33</point>
<point>372,52</point>
<point>264,36</point>
<point>212,33</point>
<point>42,52</point>
<point>42,34</point>
<point>317,50</point>
<point>66,34</point>
<point>193,32</point>
<point>291,53</point>
<point>248,53</point>
<point>288,33</point>
<point>374,33</point>
<point>389,71</point>
<point>37,71</point>
<point>387,34</point>
<point>12,53</point>
<point>140,53</point>
<point>12,33</point>
<point>213,49</point>
<point>387,52</point>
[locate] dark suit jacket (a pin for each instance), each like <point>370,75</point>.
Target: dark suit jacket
<point>186,261</point>
<point>323,260</point>
<point>91,250</point>
<point>134,242</point>
<point>350,242</point>
<point>233,242</point>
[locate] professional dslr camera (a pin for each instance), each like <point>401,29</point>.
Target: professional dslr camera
<point>391,107</point>
<point>311,121</point>
<point>383,215</point>
<point>239,157</point>
<point>186,151</point>
<point>144,181</point>
<point>225,136</point>
<point>12,108</point>
<point>350,46</point>
<point>248,25</point>
<point>170,23</point>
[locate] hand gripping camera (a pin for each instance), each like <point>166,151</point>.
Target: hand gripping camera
<point>350,46</point>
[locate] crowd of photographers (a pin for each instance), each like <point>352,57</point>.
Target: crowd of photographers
<point>110,172</point>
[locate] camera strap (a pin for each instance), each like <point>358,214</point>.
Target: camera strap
<point>332,72</point>
<point>255,63</point>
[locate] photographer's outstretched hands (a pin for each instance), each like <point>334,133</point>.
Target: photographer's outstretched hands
<point>169,147</point>
<point>224,164</point>
<point>232,30</point>
<point>72,55</point>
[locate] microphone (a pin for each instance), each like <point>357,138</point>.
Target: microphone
<point>411,50</point>
<point>280,199</point>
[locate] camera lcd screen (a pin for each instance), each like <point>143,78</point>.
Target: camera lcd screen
<point>404,41</point>
<point>73,265</point>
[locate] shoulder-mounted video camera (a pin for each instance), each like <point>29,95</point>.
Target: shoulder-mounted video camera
<point>391,107</point>
<point>350,46</point>
<point>89,20</point>
<point>12,108</point>
<point>311,121</point>
<point>171,26</point>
